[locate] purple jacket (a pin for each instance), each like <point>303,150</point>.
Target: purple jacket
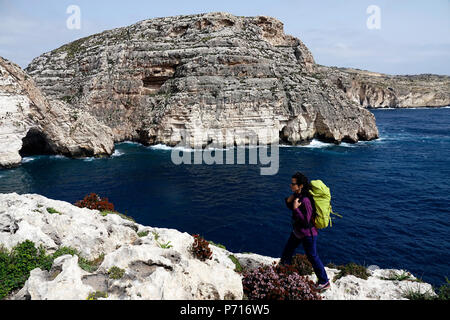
<point>300,218</point>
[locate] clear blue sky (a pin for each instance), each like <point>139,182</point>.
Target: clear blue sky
<point>414,36</point>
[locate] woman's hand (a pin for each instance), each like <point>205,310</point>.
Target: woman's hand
<point>296,203</point>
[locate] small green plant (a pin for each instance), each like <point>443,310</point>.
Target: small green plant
<point>90,265</point>
<point>155,235</point>
<point>238,268</point>
<point>217,245</point>
<point>164,245</point>
<point>143,233</point>
<point>352,269</point>
<point>97,294</point>
<point>123,216</point>
<point>416,294</point>
<point>393,276</point>
<point>52,211</point>
<point>116,272</point>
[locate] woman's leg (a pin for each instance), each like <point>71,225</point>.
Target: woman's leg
<point>289,248</point>
<point>309,244</point>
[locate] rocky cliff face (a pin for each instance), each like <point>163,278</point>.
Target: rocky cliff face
<point>214,76</point>
<point>377,90</point>
<point>150,271</point>
<point>30,123</point>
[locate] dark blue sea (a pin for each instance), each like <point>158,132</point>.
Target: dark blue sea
<point>393,193</point>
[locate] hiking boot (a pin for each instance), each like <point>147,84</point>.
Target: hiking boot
<point>323,287</point>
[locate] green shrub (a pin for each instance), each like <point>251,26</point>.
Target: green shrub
<point>52,211</point>
<point>238,267</point>
<point>83,263</point>
<point>412,294</point>
<point>116,272</point>
<point>15,266</point>
<point>352,269</point>
<point>97,294</point>
<point>302,265</point>
<point>65,250</point>
<point>143,233</point>
<point>443,293</point>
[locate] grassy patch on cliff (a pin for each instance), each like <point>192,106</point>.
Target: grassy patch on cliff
<point>351,269</point>
<point>15,265</point>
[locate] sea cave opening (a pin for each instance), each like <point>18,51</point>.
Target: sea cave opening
<point>35,143</point>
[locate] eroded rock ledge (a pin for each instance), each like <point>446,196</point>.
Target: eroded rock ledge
<point>213,75</point>
<point>377,90</point>
<point>32,124</point>
<point>150,271</point>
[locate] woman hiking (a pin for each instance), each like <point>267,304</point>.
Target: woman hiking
<point>301,203</point>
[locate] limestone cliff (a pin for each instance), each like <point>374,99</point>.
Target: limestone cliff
<point>215,75</point>
<point>377,90</point>
<point>150,270</point>
<point>30,123</point>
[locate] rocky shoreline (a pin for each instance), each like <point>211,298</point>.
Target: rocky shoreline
<point>151,268</point>
<point>376,90</point>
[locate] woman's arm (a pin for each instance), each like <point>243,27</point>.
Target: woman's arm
<point>288,201</point>
<point>307,209</point>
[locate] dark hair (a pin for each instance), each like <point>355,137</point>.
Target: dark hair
<point>302,179</point>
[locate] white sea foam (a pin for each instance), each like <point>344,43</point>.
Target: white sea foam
<point>129,142</point>
<point>117,153</point>
<point>411,108</point>
<point>318,144</point>
<point>313,144</point>
<point>28,159</point>
<point>348,145</point>
<point>166,147</point>
<point>32,158</point>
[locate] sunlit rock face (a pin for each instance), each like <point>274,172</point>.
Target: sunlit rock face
<point>378,90</point>
<point>206,78</point>
<point>32,124</point>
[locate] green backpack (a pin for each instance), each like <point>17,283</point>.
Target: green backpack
<point>322,200</point>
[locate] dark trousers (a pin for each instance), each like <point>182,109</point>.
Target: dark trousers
<point>309,245</point>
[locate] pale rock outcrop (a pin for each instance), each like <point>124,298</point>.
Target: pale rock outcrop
<point>30,123</point>
<point>206,78</point>
<point>377,90</point>
<point>150,271</point>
